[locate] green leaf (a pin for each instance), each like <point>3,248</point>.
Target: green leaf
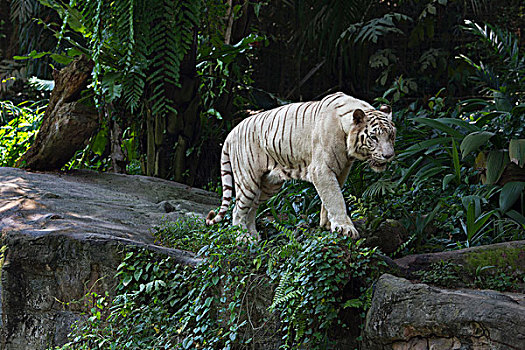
<point>473,141</point>
<point>509,194</point>
<point>517,152</point>
<point>100,141</point>
<point>455,160</point>
<point>480,222</point>
<point>466,200</point>
<point>353,303</point>
<point>126,280</point>
<point>513,214</point>
<point>33,54</point>
<point>439,125</point>
<point>461,123</point>
<point>446,180</point>
<point>496,163</point>
<point>62,59</point>
<point>423,145</point>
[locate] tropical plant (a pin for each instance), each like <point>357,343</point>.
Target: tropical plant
<point>146,59</point>
<point>18,127</point>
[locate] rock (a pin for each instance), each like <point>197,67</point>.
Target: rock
<point>404,315</point>
<point>389,236</point>
<point>64,234</point>
<point>502,255</point>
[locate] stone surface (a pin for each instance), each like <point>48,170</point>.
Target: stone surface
<point>502,255</point>
<point>63,234</point>
<point>405,315</point>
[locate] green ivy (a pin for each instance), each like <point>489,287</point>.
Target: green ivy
<point>292,291</point>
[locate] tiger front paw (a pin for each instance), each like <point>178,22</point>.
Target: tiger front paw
<point>345,229</point>
<point>248,237</point>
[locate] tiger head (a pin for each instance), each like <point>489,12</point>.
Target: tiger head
<point>372,137</point>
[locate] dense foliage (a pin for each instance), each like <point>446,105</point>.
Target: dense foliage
<point>18,126</point>
<point>288,292</point>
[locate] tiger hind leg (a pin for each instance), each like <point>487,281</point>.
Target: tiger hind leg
<point>244,213</point>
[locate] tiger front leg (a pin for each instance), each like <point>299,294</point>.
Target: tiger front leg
<point>341,179</point>
<point>327,185</point>
<point>324,223</point>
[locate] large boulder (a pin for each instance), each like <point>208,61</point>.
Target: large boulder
<point>406,315</point>
<point>63,236</point>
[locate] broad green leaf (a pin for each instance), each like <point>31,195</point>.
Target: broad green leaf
<point>439,125</point>
<point>63,59</point>
<point>446,180</point>
<point>517,152</point>
<point>33,54</point>
<point>473,104</point>
<point>473,141</point>
<point>466,200</point>
<point>423,146</point>
<point>513,214</point>
<point>480,221</point>
<point>460,122</point>
<point>496,163</point>
<point>509,194</point>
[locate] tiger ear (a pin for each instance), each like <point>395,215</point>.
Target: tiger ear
<point>359,117</point>
<point>386,109</point>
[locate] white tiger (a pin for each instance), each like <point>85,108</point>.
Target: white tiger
<point>314,141</point>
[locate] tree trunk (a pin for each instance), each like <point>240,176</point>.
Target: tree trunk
<point>118,158</point>
<point>170,138</point>
<point>68,124</point>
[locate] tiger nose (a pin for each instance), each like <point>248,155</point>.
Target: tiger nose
<point>389,155</point>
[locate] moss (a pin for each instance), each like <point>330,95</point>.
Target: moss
<point>504,258</point>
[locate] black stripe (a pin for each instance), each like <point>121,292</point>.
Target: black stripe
<point>335,97</point>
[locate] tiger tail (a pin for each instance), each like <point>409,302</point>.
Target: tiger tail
<point>227,188</point>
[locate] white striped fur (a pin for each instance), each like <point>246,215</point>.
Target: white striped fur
<point>313,141</point>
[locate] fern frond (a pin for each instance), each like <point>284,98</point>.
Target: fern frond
<point>284,292</point>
